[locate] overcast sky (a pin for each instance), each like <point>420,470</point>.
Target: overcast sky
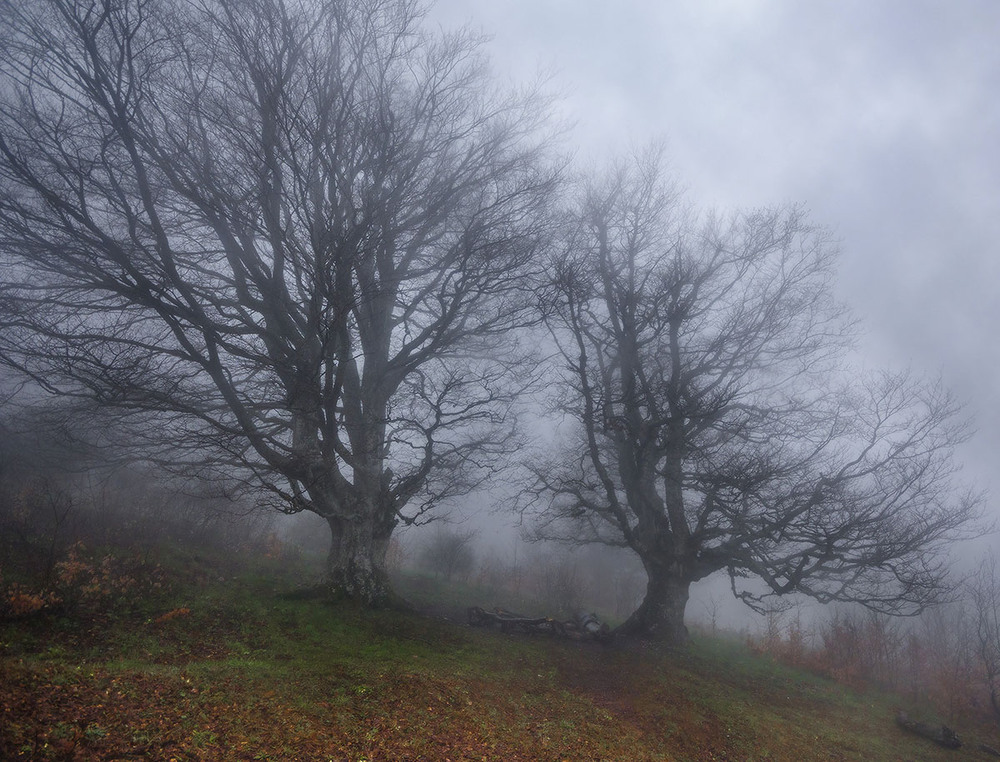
<point>881,116</point>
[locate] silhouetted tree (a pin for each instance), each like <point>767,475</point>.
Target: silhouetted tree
<point>287,241</point>
<point>714,429</point>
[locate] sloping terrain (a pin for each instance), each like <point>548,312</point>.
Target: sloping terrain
<point>240,669</point>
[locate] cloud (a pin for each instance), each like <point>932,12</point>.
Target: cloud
<point>882,117</point>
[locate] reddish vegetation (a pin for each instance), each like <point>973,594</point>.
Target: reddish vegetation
<point>84,583</point>
<point>497,698</point>
<point>102,714</point>
<point>133,664</point>
<point>935,660</point>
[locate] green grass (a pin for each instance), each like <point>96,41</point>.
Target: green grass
<point>251,673</point>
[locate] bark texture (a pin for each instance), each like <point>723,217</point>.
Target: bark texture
<point>660,616</point>
<point>355,567</point>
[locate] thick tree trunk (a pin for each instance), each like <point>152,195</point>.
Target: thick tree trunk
<point>660,616</point>
<point>355,568</point>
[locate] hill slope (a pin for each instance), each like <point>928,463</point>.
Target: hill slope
<point>243,670</point>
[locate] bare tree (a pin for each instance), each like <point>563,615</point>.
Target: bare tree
<point>288,241</point>
<point>984,595</point>
<point>713,429</point>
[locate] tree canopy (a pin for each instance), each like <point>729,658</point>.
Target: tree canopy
<point>297,245</point>
<point>285,240</point>
<point>714,425</point>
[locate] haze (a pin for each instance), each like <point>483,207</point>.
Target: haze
<point>881,117</point>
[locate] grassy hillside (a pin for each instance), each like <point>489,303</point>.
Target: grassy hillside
<point>239,668</point>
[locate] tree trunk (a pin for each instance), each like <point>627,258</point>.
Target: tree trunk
<point>660,616</point>
<point>355,568</point>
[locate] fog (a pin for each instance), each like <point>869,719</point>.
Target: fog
<point>331,340</point>
<point>880,117</point>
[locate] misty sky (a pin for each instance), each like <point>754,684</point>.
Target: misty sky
<point>881,116</point>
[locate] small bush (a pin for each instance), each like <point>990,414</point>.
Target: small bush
<point>85,584</point>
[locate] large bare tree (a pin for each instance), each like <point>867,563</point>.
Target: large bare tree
<point>289,240</point>
<point>711,425</point>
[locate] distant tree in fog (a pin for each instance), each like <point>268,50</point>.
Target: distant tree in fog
<point>983,591</point>
<point>287,241</point>
<point>449,552</point>
<point>715,427</point>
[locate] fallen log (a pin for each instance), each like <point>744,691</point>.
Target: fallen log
<point>584,626</point>
<point>507,620</point>
<point>942,735</point>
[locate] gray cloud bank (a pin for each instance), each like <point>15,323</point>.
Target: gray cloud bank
<point>882,117</point>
